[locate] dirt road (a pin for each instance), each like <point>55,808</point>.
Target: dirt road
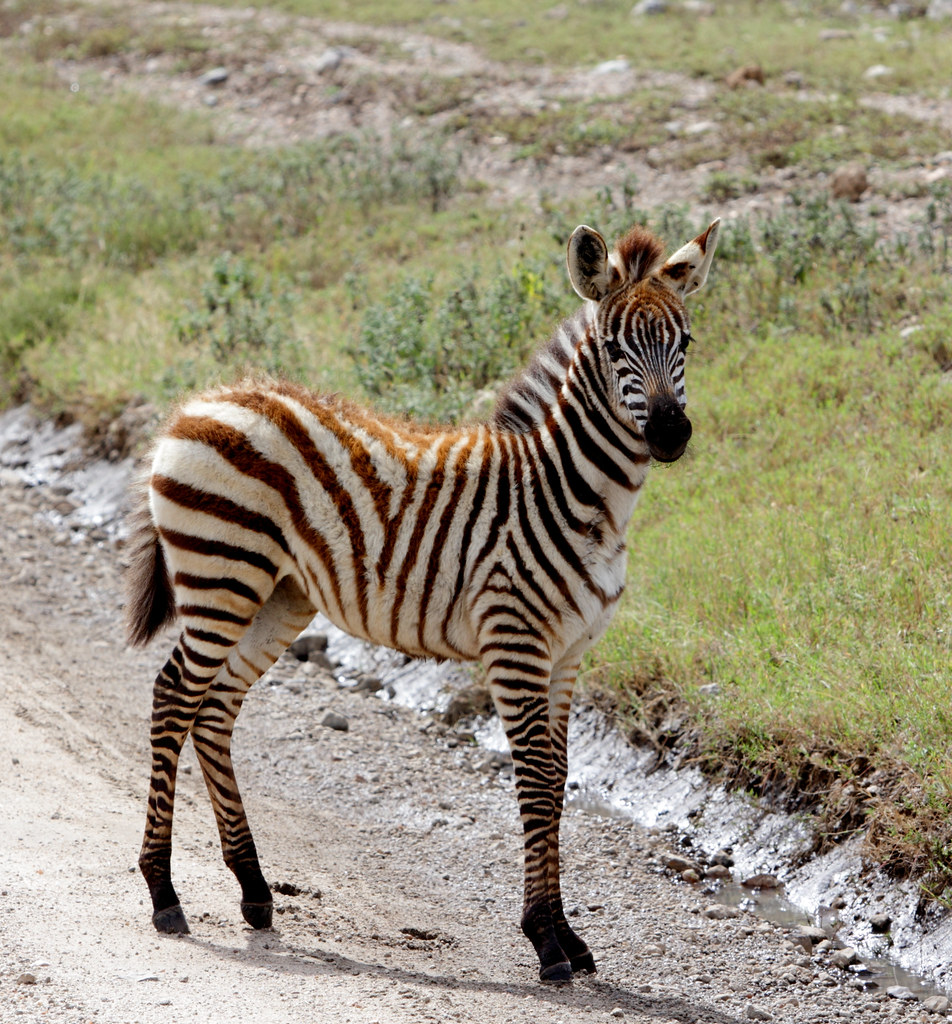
<point>397,851</point>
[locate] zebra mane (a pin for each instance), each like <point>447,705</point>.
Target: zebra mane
<point>639,253</point>
<point>527,399</point>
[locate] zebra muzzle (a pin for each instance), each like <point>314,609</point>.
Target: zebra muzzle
<point>667,430</point>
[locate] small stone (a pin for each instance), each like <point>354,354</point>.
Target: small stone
<point>844,958</point>
<point>806,936</point>
<point>877,71</point>
<point>679,864</point>
<point>26,979</point>
<point>717,871</point>
<point>644,7</point>
<point>690,875</point>
<point>749,74</point>
<point>829,35</point>
<point>367,683</point>
<point>936,1004</point>
<point>467,703</point>
<point>305,646</point>
<point>901,992</point>
<point>757,1013</point>
<point>719,912</point>
<point>723,857</point>
<point>333,720</point>
<point>880,923</point>
<point>217,76</point>
<point>611,67</point>
<point>761,882</point>
<point>849,182</point>
<point>617,1012</point>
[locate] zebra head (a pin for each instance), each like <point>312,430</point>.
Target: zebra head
<point>642,325</point>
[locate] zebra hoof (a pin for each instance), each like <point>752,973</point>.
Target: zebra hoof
<point>584,963</point>
<point>171,921</point>
<point>556,972</point>
<point>258,915</point>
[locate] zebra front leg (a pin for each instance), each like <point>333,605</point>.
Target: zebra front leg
<point>560,702</point>
<point>286,613</point>
<point>177,695</point>
<point>521,699</point>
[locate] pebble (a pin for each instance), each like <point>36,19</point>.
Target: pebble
<point>216,76</point>
<point>761,882</point>
<point>617,1012</point>
<point>936,1004</point>
<point>333,720</point>
<point>720,912</point>
<point>757,1013</point>
<point>880,923</point>
<point>26,979</point>
<point>844,958</point>
<point>900,992</point>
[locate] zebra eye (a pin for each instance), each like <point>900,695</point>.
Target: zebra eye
<point>686,340</point>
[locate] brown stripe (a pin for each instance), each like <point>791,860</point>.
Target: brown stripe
<point>235,448</point>
<point>431,495</point>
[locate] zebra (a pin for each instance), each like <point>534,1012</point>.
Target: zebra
<point>502,542</point>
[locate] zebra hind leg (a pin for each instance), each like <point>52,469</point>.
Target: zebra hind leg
<point>286,613</point>
<point>178,693</point>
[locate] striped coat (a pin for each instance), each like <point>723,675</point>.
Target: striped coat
<point>503,542</point>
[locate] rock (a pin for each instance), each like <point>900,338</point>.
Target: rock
<point>723,857</point>
<point>849,182</point>
<point>333,720</point>
<point>808,934</point>
<point>877,71</point>
<point>761,882</point>
<point>611,67</point>
<point>844,958</point>
<point>329,60</point>
<point>749,74</point>
<point>305,646</point>
<point>938,9</point>
<point>880,923</point>
<point>617,1012</point>
<point>26,979</point>
<point>215,77</point>
<point>720,912</point>
<point>717,871</point>
<point>679,864</point>
<point>690,875</point>
<point>468,702</point>
<point>649,7</point>
<point>829,35</point>
<point>367,683</point>
<point>901,992</point>
<point>757,1013</point>
<point>936,1004</point>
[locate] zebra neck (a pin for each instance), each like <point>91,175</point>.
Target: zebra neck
<point>567,400</point>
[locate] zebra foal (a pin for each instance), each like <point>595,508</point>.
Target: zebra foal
<point>503,542</point>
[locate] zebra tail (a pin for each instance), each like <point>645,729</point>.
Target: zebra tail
<point>150,601</point>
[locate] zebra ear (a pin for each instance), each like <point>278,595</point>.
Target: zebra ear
<point>591,273</point>
<point>686,270</point>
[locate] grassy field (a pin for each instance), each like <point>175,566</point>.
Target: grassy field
<point>787,621</point>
